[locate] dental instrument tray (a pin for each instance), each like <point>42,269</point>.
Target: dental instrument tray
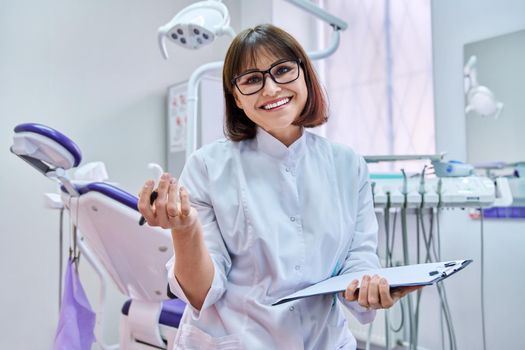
<point>400,276</point>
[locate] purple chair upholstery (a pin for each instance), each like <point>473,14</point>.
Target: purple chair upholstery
<point>54,135</point>
<point>170,315</point>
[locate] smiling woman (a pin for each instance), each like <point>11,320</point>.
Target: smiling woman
<point>268,212</point>
<point>281,100</point>
<point>252,54</point>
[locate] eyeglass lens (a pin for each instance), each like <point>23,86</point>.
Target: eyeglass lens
<point>281,73</point>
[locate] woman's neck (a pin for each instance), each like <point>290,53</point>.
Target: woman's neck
<point>287,136</point>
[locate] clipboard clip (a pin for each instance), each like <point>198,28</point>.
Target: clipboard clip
<point>453,266</point>
<point>450,268</point>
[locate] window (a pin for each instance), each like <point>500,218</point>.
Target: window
<point>379,81</point>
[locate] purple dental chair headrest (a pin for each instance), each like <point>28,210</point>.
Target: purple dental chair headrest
<point>55,135</point>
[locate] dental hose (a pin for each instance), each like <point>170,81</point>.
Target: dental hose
<point>482,258</point>
<point>60,256</point>
<point>387,263</point>
<point>406,260</point>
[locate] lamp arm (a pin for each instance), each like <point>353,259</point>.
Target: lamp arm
<point>191,103</point>
<point>161,37</point>
<point>336,23</point>
<point>318,12</point>
<point>499,108</point>
<point>470,71</point>
<point>229,30</point>
<point>328,51</point>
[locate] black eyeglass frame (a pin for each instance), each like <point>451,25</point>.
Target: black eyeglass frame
<point>298,61</point>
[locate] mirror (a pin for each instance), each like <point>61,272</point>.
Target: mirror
<point>499,66</point>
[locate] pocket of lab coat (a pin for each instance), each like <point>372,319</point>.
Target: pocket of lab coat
<point>192,338</point>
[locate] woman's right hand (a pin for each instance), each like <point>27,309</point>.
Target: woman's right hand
<point>172,207</point>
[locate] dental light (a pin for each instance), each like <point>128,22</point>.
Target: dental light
<point>480,99</point>
<point>196,25</point>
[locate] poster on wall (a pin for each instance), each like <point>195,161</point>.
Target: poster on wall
<point>177,117</point>
<point>210,107</point>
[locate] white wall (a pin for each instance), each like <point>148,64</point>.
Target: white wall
<point>93,70</point>
<point>454,24</point>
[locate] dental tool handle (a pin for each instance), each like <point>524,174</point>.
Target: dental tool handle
<point>157,170</point>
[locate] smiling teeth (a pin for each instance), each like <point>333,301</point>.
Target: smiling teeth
<point>276,104</point>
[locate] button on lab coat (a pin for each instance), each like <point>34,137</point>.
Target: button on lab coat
<point>277,219</point>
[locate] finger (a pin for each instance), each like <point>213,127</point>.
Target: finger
<point>162,200</point>
<point>350,292</point>
<point>185,206</point>
<point>373,293</point>
<point>145,192</point>
<point>362,299</point>
<point>398,293</point>
<point>143,203</point>
<point>384,294</point>
<point>172,207</point>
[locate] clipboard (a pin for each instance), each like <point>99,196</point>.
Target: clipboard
<point>400,276</point>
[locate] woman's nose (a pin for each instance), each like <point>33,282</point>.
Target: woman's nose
<point>270,86</point>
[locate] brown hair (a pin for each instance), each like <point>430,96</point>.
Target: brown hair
<point>243,51</point>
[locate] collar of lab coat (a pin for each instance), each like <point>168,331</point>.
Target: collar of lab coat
<point>268,144</point>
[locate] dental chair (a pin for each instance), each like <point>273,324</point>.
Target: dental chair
<point>111,240</point>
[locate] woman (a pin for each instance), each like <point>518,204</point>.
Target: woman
<point>269,211</point>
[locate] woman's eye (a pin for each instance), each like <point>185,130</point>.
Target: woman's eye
<point>282,70</point>
<point>252,79</point>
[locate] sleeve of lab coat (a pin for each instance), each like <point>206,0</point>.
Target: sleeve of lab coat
<point>194,178</point>
<point>362,254</point>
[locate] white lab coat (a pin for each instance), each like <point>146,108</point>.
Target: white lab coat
<point>277,219</point>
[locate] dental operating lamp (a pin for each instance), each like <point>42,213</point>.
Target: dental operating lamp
<point>479,99</point>
<point>199,24</point>
<point>196,25</point>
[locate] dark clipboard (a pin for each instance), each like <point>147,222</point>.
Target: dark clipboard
<point>400,276</point>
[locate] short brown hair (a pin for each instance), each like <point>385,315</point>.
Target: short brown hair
<point>243,51</point>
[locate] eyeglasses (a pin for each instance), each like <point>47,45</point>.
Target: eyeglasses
<point>282,72</point>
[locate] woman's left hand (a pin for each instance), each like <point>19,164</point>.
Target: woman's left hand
<point>374,292</point>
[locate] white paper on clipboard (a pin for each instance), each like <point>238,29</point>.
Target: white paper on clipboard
<point>400,276</point>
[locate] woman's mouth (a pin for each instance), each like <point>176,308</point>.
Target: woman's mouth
<point>276,103</point>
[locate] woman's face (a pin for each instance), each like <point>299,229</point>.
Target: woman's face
<point>276,106</point>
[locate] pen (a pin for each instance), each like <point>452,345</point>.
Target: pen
<point>152,198</point>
